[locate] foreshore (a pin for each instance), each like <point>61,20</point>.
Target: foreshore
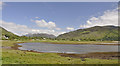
<point>11,54</point>
<point>95,55</point>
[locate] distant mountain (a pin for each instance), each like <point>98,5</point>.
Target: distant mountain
<point>93,33</point>
<point>43,35</point>
<point>4,34</point>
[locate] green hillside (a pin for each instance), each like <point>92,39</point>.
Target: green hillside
<point>4,34</point>
<point>97,33</point>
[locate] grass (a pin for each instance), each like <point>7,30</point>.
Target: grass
<point>12,56</point>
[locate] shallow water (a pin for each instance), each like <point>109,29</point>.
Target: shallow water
<point>68,48</point>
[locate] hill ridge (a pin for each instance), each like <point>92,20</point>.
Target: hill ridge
<point>92,33</point>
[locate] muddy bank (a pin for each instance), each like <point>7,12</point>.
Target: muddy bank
<point>97,55</point>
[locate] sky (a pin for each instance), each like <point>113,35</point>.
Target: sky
<point>56,17</point>
<point>60,0</point>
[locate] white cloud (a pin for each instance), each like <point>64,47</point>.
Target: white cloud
<point>70,28</point>
<point>37,17</point>
<point>23,29</point>
<point>43,23</point>
<point>88,22</point>
<point>110,17</point>
<point>58,28</point>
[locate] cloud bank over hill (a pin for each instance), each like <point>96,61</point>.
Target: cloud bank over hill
<point>110,17</point>
<point>70,28</point>
<point>23,29</point>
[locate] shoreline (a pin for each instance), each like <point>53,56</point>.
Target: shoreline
<point>81,43</point>
<point>77,43</point>
<point>95,55</point>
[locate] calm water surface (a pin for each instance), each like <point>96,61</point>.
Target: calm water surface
<point>67,48</point>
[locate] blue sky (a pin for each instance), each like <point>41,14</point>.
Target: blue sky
<point>56,16</point>
<point>60,0</point>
